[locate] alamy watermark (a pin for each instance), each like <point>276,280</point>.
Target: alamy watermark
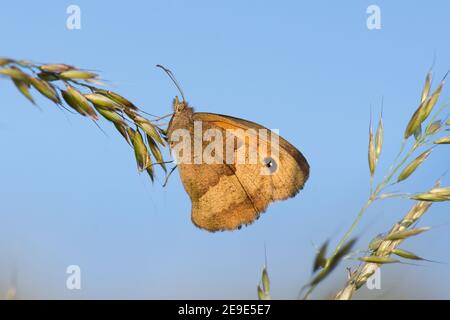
<point>230,146</point>
<point>374,282</point>
<point>373,21</point>
<point>73,21</point>
<point>73,281</point>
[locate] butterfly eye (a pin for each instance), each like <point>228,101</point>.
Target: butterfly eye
<point>270,164</point>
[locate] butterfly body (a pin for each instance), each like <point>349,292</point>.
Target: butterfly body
<point>228,194</point>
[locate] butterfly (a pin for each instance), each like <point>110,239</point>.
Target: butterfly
<point>227,194</point>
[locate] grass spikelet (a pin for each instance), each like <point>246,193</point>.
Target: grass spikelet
<point>24,88</point>
<point>156,152</point>
<point>416,120</point>
<point>111,115</point>
<point>406,254</point>
<point>431,102</point>
<point>333,261</point>
<point>46,89</point>
<point>428,196</point>
<point>151,131</point>
<point>376,242</point>
<point>15,74</point>
<point>400,235</point>
<point>410,168</point>
<point>264,286</point>
<point>77,74</point>
<point>150,170</point>
<point>379,139</point>
<point>122,128</point>
<point>5,61</point>
<point>320,259</point>
<point>418,132</point>
<point>56,67</point>
<point>47,76</point>
<point>118,99</point>
<point>371,152</point>
<point>443,191</point>
<point>102,101</point>
<point>443,140</point>
<point>378,260</point>
<point>140,151</point>
<point>265,281</point>
<point>434,127</point>
<point>77,101</point>
<point>261,295</point>
<point>426,88</point>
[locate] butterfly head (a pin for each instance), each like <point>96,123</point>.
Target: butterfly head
<point>179,106</point>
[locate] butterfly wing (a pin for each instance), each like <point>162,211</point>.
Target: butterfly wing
<point>228,195</point>
<point>219,199</point>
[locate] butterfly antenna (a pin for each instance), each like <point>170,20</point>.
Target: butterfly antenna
<point>171,76</point>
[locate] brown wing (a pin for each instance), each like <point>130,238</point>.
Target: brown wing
<point>219,200</point>
<point>226,196</point>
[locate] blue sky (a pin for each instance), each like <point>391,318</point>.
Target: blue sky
<point>71,195</point>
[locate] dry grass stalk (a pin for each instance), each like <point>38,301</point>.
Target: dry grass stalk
<point>385,248</point>
<point>46,79</point>
<point>381,248</point>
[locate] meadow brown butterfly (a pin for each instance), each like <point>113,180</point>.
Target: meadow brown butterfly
<point>231,182</point>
